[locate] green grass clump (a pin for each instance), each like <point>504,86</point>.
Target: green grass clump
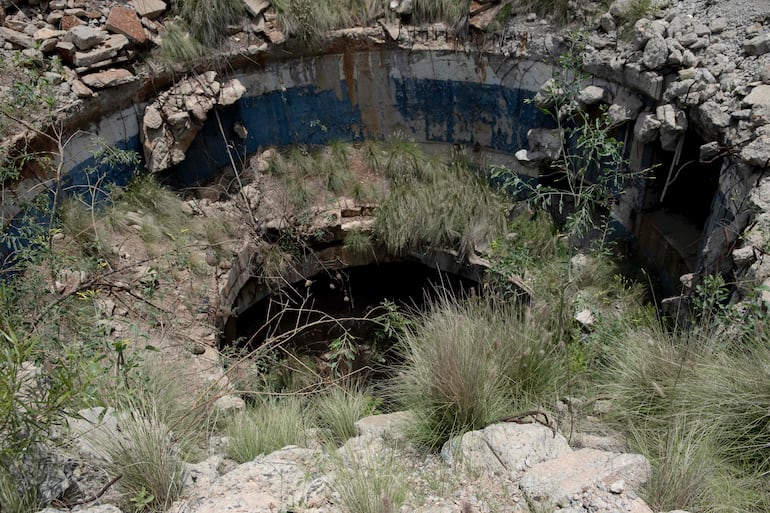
<point>208,20</point>
<point>267,427</point>
<point>179,46</point>
<point>370,483</point>
<point>469,364</point>
<point>358,241</point>
<point>146,454</point>
<point>436,204</point>
<point>338,409</point>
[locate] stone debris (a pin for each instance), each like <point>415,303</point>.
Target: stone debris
<point>123,20</point>
<point>109,78</point>
<point>148,8</point>
<point>172,121</point>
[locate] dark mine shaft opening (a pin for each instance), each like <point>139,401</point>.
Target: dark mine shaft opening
<point>343,297</point>
<point>677,205</point>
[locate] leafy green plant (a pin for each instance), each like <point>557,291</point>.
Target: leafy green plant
<point>590,166</point>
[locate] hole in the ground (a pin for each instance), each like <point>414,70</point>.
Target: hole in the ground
<point>306,317</point>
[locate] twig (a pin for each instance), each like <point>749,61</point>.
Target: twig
<point>69,504</point>
<point>519,419</point>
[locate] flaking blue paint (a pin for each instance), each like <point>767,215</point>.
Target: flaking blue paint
<point>456,106</point>
<point>307,115</point>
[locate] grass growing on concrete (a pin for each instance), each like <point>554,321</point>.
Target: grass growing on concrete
<point>436,204</point>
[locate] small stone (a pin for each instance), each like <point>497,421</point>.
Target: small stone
<point>759,45</point>
<point>152,118</point>
<point>68,21</point>
<point>85,37</point>
<point>745,256</point>
<point>148,8</point>
<point>757,153</point>
<point>709,151</point>
<point>256,7</point>
<point>607,22</point>
<point>16,38</point>
<point>586,319</point>
<point>231,92</point>
<point>81,90</point>
<point>655,52</point>
<point>646,128</point>
<point>760,95</point>
<point>109,78</point>
<point>124,20</point>
<point>591,95</point>
<point>617,487</point>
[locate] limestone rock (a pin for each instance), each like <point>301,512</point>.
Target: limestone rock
<point>646,128</point>
<point>81,90</point>
<point>607,22</point>
<point>98,54</point>
<point>673,124</point>
<point>591,95</point>
<point>16,38</point>
<point>759,45</point>
<point>47,33</point>
<point>258,486</point>
<point>545,142</point>
<point>645,29</point>
<point>621,8</point>
<point>109,78</point>
<point>173,120</point>
<point>745,256</point>
<point>256,7</point>
<point>505,448</point>
<point>148,8</point>
<point>380,425</point>
<point>401,6</point>
<point>757,152</point>
<point>625,107</point>
<point>646,82</point>
<point>655,52</point>
<point>231,92</point>
<point>711,119</point>
<point>123,20</point>
<point>760,95</point>
<point>558,480</point>
<point>709,152</point>
<point>85,37</point>
<point>229,404</point>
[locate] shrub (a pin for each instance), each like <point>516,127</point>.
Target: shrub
<point>467,365</point>
<point>271,425</point>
